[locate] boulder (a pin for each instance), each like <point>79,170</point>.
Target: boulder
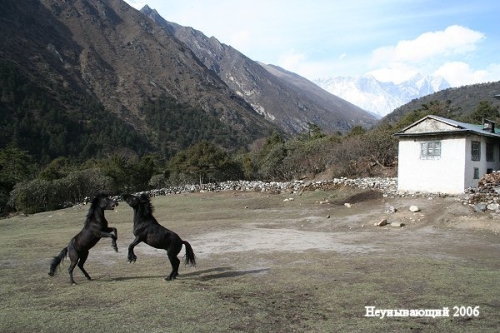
<point>493,206</point>
<point>480,207</point>
<point>414,209</point>
<point>391,210</point>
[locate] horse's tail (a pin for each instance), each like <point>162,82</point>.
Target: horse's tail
<point>57,260</point>
<point>190,257</point>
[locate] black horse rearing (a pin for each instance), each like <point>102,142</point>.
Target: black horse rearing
<point>148,230</point>
<point>95,228</point>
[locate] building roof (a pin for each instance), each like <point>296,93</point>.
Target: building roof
<point>460,128</point>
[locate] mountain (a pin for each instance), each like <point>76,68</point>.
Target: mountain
<point>89,78</point>
<point>81,56</point>
<point>458,101</point>
<point>378,97</point>
<point>282,97</point>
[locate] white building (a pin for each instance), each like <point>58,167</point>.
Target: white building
<point>443,155</point>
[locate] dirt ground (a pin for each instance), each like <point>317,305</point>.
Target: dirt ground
<point>265,263</point>
<point>445,248</point>
<point>332,225</point>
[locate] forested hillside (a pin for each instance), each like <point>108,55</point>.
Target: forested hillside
<point>459,101</point>
<point>48,125</point>
<point>97,66</point>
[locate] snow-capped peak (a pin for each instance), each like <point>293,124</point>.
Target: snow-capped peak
<point>379,97</point>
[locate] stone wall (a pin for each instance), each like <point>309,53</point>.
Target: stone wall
<point>485,197</point>
<point>387,185</point>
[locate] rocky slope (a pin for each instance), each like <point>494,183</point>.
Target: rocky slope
<point>111,52</point>
<point>284,98</point>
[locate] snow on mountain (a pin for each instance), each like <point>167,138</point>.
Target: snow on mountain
<point>381,98</point>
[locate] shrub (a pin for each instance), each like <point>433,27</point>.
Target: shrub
<point>41,195</point>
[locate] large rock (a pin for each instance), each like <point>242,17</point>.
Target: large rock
<point>414,209</point>
<point>381,223</point>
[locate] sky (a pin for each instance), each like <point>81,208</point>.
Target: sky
<point>391,40</point>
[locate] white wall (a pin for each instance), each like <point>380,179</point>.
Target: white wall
<point>445,175</point>
<point>482,165</point>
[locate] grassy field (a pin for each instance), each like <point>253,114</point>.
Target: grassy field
<point>264,265</point>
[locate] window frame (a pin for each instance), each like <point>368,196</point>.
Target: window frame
<point>475,151</point>
<point>476,173</point>
<point>430,150</point>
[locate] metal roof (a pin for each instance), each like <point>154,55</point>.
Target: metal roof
<point>460,128</point>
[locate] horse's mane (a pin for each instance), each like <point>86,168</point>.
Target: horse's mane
<point>94,205</point>
<point>145,206</point>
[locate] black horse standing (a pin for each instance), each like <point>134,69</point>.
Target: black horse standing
<point>95,228</point>
<point>148,230</point>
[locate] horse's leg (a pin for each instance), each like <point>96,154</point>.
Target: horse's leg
<point>73,256</point>
<point>81,262</point>
<point>108,233</point>
<point>131,255</point>
<point>174,261</point>
<point>113,239</point>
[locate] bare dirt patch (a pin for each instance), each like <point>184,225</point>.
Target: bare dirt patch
<point>335,227</point>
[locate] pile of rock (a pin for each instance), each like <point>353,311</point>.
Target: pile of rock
<point>487,194</point>
<point>489,183</point>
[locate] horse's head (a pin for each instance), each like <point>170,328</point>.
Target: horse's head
<point>132,200</point>
<point>105,202</point>
<point>101,201</point>
<point>137,201</point>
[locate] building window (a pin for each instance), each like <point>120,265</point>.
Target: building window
<point>476,150</point>
<point>476,173</point>
<point>490,152</point>
<point>430,150</point>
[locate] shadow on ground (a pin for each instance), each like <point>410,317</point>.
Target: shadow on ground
<point>203,275</point>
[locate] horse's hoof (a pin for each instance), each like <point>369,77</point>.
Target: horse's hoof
<point>51,273</point>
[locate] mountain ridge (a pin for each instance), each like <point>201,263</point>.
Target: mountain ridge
<point>282,97</point>
<point>458,101</point>
<point>108,53</point>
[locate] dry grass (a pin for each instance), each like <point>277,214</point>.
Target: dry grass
<point>288,289</point>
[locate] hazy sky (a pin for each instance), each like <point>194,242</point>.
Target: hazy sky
<point>389,39</point>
